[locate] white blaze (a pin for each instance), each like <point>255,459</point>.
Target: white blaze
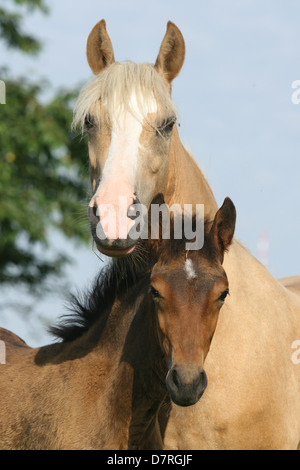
<point>189,269</point>
<point>119,173</point>
<point>124,148</point>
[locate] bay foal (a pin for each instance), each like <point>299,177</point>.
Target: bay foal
<point>136,341</point>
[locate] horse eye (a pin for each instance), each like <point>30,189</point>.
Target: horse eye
<point>165,128</point>
<point>169,126</point>
<point>223,295</point>
<point>89,122</point>
<point>155,293</point>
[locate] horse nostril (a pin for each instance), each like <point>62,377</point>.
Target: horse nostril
<point>95,209</point>
<point>133,211</point>
<point>92,215</point>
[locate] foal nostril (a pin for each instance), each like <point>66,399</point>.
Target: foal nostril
<point>202,382</point>
<point>175,378</point>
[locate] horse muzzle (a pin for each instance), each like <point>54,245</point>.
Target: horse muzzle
<point>186,388</point>
<point>112,244</point>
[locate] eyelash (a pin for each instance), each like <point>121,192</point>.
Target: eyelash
<point>89,123</point>
<point>165,128</point>
<point>223,295</point>
<point>155,293</point>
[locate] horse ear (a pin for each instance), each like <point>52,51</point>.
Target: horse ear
<point>171,54</point>
<point>223,227</point>
<point>99,49</point>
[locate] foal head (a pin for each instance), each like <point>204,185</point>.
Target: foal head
<point>128,115</point>
<point>189,289</point>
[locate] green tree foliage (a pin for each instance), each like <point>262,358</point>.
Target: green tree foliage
<point>43,169</point>
<point>10,25</point>
<point>43,178</point>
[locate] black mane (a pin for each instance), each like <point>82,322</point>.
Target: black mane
<point>115,279</point>
<point>112,282</point>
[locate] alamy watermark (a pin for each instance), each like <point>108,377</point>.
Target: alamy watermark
<point>296,95</point>
<point>296,355</point>
<point>2,92</point>
<point>2,352</point>
<point>115,224</point>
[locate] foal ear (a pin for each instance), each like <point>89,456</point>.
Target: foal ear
<point>155,225</point>
<point>223,227</point>
<point>171,54</point>
<point>99,49</point>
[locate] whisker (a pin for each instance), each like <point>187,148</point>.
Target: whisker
<point>96,252</point>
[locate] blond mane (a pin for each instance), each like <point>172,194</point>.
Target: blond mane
<point>114,87</point>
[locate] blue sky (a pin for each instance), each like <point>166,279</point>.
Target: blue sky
<point>233,96</point>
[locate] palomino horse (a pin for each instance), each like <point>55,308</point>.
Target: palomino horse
<point>134,148</point>
<point>253,397</point>
<point>142,331</point>
<point>292,283</point>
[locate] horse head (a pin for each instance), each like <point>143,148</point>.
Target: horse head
<point>128,115</point>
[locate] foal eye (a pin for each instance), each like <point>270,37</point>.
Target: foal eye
<point>155,293</point>
<point>223,295</point>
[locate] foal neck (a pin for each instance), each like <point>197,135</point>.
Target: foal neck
<point>135,361</point>
<point>186,182</point>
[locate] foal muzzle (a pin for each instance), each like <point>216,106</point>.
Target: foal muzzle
<point>184,389</point>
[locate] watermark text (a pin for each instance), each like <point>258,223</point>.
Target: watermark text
<point>2,353</point>
<point>296,95</point>
<point>154,224</point>
<point>296,355</point>
<point>2,92</point>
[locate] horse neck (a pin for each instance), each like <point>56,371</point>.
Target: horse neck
<point>186,182</point>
